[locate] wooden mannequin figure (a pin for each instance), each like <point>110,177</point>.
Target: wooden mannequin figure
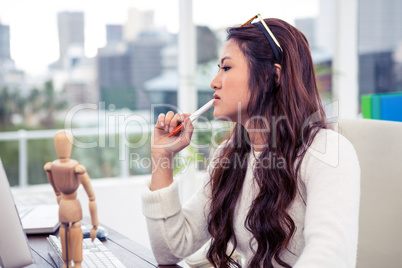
<point>65,175</point>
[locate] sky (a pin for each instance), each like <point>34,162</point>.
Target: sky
<point>33,23</point>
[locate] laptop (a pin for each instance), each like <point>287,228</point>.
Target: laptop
<point>14,248</point>
<point>39,219</point>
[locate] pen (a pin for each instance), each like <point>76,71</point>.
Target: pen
<point>194,116</point>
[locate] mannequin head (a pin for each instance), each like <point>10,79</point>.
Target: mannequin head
<point>63,145</point>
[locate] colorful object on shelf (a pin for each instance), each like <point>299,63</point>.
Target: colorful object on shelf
<point>382,106</point>
<point>367,107</point>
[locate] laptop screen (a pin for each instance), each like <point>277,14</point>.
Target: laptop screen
<point>14,248</point>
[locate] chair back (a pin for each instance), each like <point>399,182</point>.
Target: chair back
<point>379,148</point>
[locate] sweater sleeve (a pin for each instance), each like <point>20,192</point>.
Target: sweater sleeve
<point>331,173</point>
<point>176,232</point>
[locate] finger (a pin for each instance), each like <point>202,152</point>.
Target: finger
<point>180,118</point>
<point>188,130</point>
<point>184,116</point>
<point>93,234</point>
<point>168,118</point>
<point>176,120</point>
<point>160,123</point>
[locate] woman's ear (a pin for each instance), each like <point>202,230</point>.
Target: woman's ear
<point>278,69</point>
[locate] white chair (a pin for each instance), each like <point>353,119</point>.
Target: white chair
<point>379,148</point>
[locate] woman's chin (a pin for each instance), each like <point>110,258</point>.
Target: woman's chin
<point>221,117</point>
<point>224,116</point>
<point>217,115</point>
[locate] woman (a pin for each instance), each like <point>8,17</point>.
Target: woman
<point>284,188</point>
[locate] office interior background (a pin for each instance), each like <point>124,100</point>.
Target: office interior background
<point>137,69</point>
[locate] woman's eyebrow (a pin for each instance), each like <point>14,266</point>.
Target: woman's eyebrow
<point>225,58</point>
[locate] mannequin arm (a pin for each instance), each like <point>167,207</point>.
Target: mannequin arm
<point>48,169</point>
<point>93,210</point>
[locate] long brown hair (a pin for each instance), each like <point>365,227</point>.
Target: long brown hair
<point>291,105</point>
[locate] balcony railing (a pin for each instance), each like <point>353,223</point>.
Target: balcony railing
<point>23,136</point>
<point>108,134</point>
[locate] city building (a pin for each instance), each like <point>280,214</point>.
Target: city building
<point>74,75</point>
<point>4,42</point>
<point>131,56</point>
<point>114,33</point>
<point>379,42</point>
<point>80,86</point>
<point>71,34</point>
<point>146,62</point>
<point>10,77</point>
<point>380,37</point>
<point>207,44</point>
<point>137,22</point>
<point>162,90</point>
<point>322,59</point>
<point>114,77</point>
<point>6,63</point>
<point>123,69</point>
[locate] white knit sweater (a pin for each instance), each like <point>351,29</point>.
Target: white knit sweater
<point>327,224</point>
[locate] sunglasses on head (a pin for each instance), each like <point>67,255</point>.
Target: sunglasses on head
<point>275,46</point>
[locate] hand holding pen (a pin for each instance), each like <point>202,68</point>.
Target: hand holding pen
<point>193,117</point>
<point>173,124</point>
<point>165,146</point>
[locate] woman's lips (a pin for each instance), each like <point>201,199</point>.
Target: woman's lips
<point>217,98</point>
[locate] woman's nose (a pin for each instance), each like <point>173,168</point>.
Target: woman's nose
<point>216,83</point>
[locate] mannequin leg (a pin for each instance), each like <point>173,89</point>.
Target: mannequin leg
<point>76,238</point>
<point>63,241</point>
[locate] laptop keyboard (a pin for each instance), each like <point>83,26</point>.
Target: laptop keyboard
<point>94,254</point>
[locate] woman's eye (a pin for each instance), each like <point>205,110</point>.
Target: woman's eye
<point>224,68</point>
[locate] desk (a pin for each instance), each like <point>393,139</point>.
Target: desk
<point>130,253</point>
